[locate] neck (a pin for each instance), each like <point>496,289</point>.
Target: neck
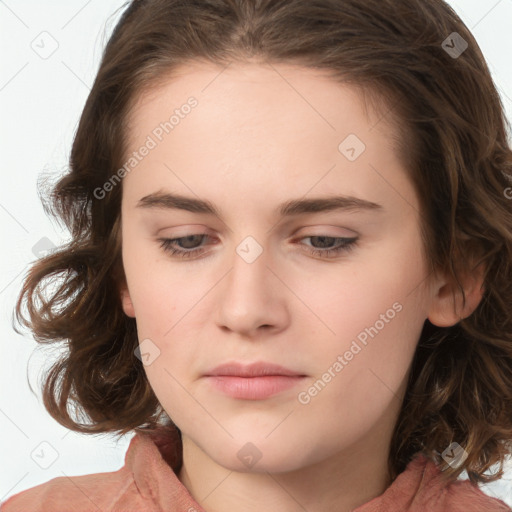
<point>342,482</point>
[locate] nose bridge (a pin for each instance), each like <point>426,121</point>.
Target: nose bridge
<point>249,270</point>
<point>248,298</point>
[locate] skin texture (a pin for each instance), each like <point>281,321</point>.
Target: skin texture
<point>261,135</point>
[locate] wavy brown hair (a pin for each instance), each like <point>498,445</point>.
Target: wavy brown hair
<point>452,140</point>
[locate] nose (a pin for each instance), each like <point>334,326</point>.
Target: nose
<point>251,299</point>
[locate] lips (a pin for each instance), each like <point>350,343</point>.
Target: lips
<point>259,369</point>
<point>255,381</point>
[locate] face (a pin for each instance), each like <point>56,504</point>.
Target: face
<point>295,242</point>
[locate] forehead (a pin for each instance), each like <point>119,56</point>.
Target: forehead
<point>256,126</point>
<point>258,92</point>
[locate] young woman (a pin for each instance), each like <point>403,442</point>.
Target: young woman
<point>290,267</point>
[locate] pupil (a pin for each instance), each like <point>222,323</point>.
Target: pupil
<point>324,240</point>
<point>187,239</point>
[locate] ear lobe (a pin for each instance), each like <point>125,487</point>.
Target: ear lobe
<point>447,306</point>
<point>127,303</point>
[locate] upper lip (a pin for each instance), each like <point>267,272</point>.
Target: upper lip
<point>257,369</point>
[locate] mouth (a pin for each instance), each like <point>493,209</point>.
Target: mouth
<point>256,381</point>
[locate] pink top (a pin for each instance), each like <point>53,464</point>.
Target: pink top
<point>148,483</point>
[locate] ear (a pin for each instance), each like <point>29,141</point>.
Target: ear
<point>447,307</point>
<point>127,301</point>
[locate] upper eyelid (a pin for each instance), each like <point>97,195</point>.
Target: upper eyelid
<point>295,238</point>
<point>311,230</point>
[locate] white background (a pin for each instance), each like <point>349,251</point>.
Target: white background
<point>40,103</point>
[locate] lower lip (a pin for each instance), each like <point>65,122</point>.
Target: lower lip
<point>253,388</point>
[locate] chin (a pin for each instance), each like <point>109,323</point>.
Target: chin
<point>260,456</point>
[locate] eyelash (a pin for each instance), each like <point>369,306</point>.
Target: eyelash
<point>347,244</point>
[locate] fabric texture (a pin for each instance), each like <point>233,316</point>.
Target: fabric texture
<point>148,482</point>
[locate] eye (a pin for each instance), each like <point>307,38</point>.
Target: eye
<point>341,245</point>
<point>169,245</point>
<point>190,245</point>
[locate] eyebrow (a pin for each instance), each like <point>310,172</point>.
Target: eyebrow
<point>165,200</point>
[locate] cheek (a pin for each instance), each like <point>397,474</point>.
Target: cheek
<point>363,294</point>
<point>160,290</point>
<point>171,312</point>
<point>374,309</point>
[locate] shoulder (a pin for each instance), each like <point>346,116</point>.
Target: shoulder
<point>111,491</point>
<point>458,496</point>
<point>463,496</point>
<point>421,488</point>
<point>77,493</point>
